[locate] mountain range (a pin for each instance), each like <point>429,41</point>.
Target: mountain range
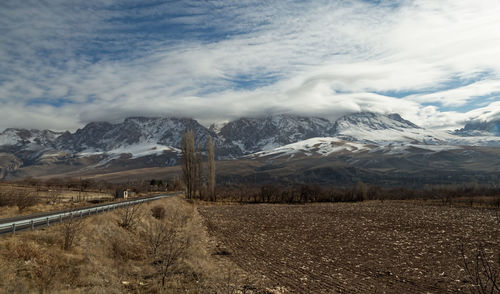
<point>361,142</point>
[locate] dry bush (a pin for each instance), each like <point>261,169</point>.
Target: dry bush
<point>70,231</point>
<point>24,251</point>
<point>124,248</point>
<point>177,185</point>
<point>38,266</point>
<point>158,212</point>
<point>167,241</point>
<point>481,271</point>
<point>55,269</point>
<point>5,196</point>
<point>107,258</point>
<point>130,216</point>
<point>54,196</point>
<point>227,282</point>
<point>25,199</point>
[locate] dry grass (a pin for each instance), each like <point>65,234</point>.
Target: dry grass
<point>48,200</point>
<point>107,258</point>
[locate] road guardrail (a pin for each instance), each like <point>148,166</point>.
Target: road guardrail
<point>58,217</point>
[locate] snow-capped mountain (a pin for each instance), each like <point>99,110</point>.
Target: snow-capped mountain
<point>480,128</point>
<point>373,121</point>
<point>28,138</point>
<point>142,136</point>
<point>157,141</point>
<point>368,127</point>
<point>104,136</point>
<point>377,133</point>
<point>323,146</point>
<point>256,134</point>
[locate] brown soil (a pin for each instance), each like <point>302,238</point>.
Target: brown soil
<point>370,247</point>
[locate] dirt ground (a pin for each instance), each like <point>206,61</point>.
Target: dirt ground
<point>369,247</point>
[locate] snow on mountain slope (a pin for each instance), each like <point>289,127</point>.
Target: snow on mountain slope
<point>8,138</point>
<point>134,131</point>
<point>323,146</point>
<point>257,134</point>
<point>326,146</point>
<point>390,136</point>
<point>480,128</point>
<point>136,150</point>
<point>370,127</point>
<point>28,138</point>
<point>373,128</point>
<point>373,121</point>
<point>258,137</point>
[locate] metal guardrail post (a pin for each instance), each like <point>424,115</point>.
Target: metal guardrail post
<point>27,222</point>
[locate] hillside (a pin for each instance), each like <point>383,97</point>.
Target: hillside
<point>368,146</point>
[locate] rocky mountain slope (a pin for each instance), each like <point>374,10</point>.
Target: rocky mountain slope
<point>480,128</point>
<point>140,142</point>
<point>255,134</point>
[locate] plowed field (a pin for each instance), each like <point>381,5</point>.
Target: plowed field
<point>370,247</point>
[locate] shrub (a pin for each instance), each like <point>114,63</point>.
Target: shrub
<point>481,272</point>
<point>158,212</point>
<point>130,216</point>
<point>25,199</point>
<point>70,231</point>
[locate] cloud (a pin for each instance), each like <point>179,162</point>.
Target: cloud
<point>487,113</point>
<point>38,117</point>
<point>461,95</point>
<point>218,60</point>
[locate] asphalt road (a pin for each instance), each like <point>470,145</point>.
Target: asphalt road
<point>15,224</point>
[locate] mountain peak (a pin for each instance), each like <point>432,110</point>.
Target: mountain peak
<point>373,121</point>
<point>480,128</point>
<point>255,134</point>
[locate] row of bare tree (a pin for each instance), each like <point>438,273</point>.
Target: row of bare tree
<point>359,192</point>
<point>192,167</point>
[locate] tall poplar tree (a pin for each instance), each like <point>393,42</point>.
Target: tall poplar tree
<point>189,163</point>
<point>211,169</point>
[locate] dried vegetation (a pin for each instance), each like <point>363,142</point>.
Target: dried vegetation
<point>166,254</point>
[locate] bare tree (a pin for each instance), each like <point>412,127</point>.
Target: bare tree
<point>54,196</point>
<point>198,171</point>
<point>130,216</point>
<point>211,169</point>
<point>156,235</point>
<point>70,230</point>
<point>481,272</point>
<point>189,163</point>
<point>25,199</point>
<point>166,242</point>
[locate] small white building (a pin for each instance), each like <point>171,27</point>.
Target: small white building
<point>121,194</point>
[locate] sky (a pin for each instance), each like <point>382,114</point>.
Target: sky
<point>65,63</point>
